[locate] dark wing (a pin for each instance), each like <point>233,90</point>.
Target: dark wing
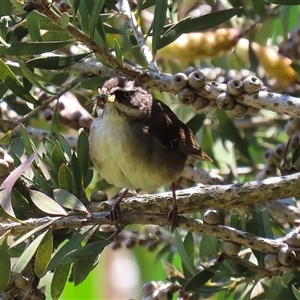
<point>172,133</point>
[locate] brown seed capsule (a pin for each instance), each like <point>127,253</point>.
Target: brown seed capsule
<point>2,153</point>
<point>225,101</point>
<point>271,261</point>
<point>279,151</point>
<point>180,81</point>
<point>200,103</point>
<point>196,80</point>
<point>252,84</point>
<point>286,256</point>
<point>189,70</point>
<point>48,114</point>
<point>235,87</point>
<point>211,217</point>
<point>4,167</point>
<point>252,110</point>
<point>231,248</point>
<point>186,96</point>
<point>239,110</point>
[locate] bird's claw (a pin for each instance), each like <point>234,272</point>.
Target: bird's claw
<point>173,218</point>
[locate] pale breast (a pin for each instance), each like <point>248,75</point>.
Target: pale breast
<point>123,163</point>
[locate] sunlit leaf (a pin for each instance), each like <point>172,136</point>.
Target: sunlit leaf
<point>189,24</point>
<point>28,254</point>
<point>33,231</point>
<point>65,178</point>
<point>46,204</point>
<point>68,200</point>
<point>83,153</point>
<point>64,20</point>
<point>8,183</point>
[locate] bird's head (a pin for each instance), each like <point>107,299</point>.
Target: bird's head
<point>123,96</point>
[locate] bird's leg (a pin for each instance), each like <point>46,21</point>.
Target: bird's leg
<point>115,213</point>
<point>173,213</point>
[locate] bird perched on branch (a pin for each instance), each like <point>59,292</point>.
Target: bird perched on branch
<point>137,141</point>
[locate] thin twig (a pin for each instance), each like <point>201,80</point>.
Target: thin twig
<point>146,52</point>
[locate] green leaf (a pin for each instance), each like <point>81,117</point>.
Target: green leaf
<point>263,221</point>
<point>95,16</point>
<point>187,264</point>
<point>55,123</point>
<point>86,252</point>
<point>32,48</point>
<point>159,20</point>
<point>296,292</point>
<point>13,83</point>
<point>228,131</point>
<point>189,246</point>
<point>72,244</point>
<point>4,264</point>
<point>65,178</point>
<point>28,254</point>
<point>34,27</point>
<point>56,62</point>
<point>196,283</point>
<point>64,20</point>
<point>28,144</point>
<point>8,183</point>
<point>83,153</point>
<point>82,269</point>
<point>59,280</point>
<point>118,52</point>
<point>189,24</point>
<point>285,2</point>
<point>46,204</point>
<point>68,200</point>
<point>32,77</point>
<point>43,255</point>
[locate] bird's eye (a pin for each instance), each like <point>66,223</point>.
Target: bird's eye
<point>126,95</point>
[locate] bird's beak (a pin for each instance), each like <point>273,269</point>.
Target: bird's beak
<point>111,98</point>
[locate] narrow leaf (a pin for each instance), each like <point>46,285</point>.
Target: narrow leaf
<point>28,254</point>
<point>82,269</point>
<point>64,20</point>
<point>8,183</point>
<point>186,262</point>
<point>68,200</point>
<point>65,178</point>
<point>13,83</point>
<point>46,204</point>
<point>33,231</point>
<point>72,244</point>
<point>59,280</point>
<point>43,255</point>
<point>83,154</point>
<point>4,264</point>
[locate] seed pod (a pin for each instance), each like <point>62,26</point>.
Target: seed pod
<point>271,261</point>
<point>292,239</point>
<point>2,153</point>
<point>189,70</point>
<point>231,248</point>
<point>180,81</point>
<point>252,84</point>
<point>186,96</point>
<point>239,110</point>
<point>235,87</point>
<point>252,110</point>
<point>48,113</point>
<point>98,196</point>
<point>292,126</point>
<point>286,256</point>
<point>225,101</point>
<point>211,217</point>
<point>4,167</point>
<point>279,151</point>
<point>196,80</point>
<point>200,103</point>
<point>149,287</point>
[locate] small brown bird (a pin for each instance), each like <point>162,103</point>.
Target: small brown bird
<point>137,141</point>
